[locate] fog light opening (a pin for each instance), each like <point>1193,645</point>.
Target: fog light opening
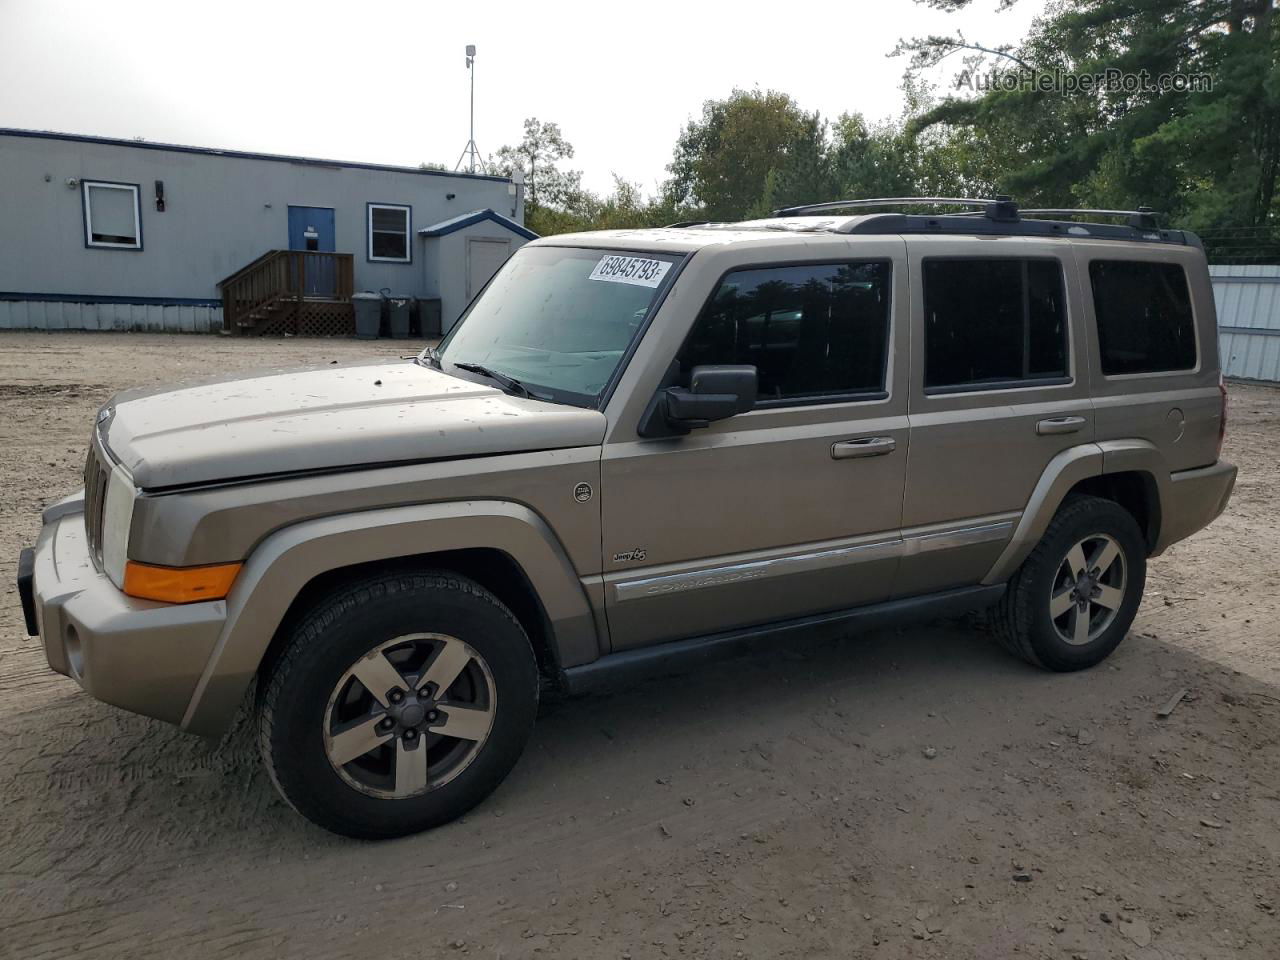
<point>75,652</point>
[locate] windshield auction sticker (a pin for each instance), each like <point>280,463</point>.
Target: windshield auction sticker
<point>636,270</point>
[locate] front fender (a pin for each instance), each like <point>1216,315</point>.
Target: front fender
<point>289,559</point>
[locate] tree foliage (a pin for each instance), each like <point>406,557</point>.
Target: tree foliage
<point>1208,158</point>
<point>747,152</point>
<point>536,156</point>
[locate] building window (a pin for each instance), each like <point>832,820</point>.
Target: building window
<point>389,228</point>
<point>1144,316</point>
<point>111,215</point>
<point>990,324</point>
<point>814,332</point>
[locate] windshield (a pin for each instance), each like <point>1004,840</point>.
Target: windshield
<point>559,319</point>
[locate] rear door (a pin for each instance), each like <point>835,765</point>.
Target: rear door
<point>999,387</point>
<point>792,508</point>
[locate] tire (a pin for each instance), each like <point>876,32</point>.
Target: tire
<point>434,751</point>
<point>1080,635</point>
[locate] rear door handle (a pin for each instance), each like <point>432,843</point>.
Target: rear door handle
<point>863,447</point>
<point>1056,425</point>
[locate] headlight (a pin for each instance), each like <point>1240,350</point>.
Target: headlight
<point>117,514</point>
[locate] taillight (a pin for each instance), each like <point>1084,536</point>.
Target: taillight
<point>1222,421</point>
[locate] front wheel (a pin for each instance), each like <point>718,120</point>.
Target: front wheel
<point>398,704</point>
<point>1074,598</point>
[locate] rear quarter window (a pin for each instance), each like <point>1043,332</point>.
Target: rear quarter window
<point>1145,324</point>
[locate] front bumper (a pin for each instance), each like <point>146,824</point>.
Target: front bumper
<point>137,654</point>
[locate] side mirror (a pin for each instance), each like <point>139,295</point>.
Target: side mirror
<point>715,393</point>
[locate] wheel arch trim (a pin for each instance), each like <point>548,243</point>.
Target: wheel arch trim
<point>1063,473</point>
<point>286,561</point>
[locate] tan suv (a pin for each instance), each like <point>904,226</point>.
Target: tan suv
<point>639,449</point>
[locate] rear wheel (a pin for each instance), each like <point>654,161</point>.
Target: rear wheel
<point>398,704</point>
<point>1074,598</point>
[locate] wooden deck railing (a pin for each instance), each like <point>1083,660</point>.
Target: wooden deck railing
<point>285,275</point>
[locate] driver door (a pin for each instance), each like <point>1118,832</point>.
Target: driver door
<point>790,509</point>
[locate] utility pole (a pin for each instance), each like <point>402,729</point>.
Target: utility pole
<point>471,153</point>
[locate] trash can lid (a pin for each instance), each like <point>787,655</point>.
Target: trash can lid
<point>366,295</point>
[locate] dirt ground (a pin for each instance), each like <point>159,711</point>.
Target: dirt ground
<point>783,806</point>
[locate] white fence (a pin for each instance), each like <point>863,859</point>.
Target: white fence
<point>1248,300</point>
<point>138,317</point>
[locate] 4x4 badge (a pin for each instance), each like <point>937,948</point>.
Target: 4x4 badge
<point>582,492</point>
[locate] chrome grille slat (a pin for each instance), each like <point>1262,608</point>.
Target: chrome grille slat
<point>96,473</point>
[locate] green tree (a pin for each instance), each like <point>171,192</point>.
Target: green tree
<point>536,156</point>
<point>746,152</point>
<point>871,162</point>
<point>1209,158</point>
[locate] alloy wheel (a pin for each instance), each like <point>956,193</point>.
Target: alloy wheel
<point>1088,589</point>
<point>410,715</point>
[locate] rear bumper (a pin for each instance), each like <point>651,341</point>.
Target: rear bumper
<point>142,656</point>
<point>1193,500</point>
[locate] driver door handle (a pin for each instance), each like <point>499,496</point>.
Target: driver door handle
<point>863,447</point>
<point>1056,425</point>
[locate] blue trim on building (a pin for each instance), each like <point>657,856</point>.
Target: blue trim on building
<point>239,154</point>
<point>103,298</point>
<point>446,227</point>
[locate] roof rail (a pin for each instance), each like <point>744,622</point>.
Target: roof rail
<point>998,208</point>
<point>1144,218</point>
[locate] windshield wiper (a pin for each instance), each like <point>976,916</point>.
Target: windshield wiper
<point>510,384</point>
<point>428,358</point>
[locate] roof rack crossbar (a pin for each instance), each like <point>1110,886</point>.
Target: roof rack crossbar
<point>997,208</point>
<point>1144,218</point>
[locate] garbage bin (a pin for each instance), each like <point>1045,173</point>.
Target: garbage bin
<point>368,310</point>
<point>429,318</point>
<point>398,316</point>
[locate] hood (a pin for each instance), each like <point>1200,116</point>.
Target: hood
<point>327,418</point>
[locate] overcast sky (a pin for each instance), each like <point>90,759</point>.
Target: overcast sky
<point>385,80</point>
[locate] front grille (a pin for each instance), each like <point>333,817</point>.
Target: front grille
<point>96,473</point>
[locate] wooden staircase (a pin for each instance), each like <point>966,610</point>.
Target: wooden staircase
<point>290,292</point>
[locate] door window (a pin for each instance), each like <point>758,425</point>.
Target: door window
<point>991,324</point>
<point>1144,316</point>
<point>814,332</point>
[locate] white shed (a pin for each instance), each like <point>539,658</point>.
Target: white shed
<point>461,254</point>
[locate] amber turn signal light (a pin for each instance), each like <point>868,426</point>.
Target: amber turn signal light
<point>179,584</point>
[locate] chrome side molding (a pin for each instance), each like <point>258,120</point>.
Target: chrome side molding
<point>909,544</point>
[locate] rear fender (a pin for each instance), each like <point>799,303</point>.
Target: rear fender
<point>1064,472</point>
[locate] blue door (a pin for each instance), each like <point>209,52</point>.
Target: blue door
<point>311,228</point>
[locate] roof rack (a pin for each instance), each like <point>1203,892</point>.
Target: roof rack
<point>1144,218</point>
<point>999,208</point>
<point>994,216</point>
